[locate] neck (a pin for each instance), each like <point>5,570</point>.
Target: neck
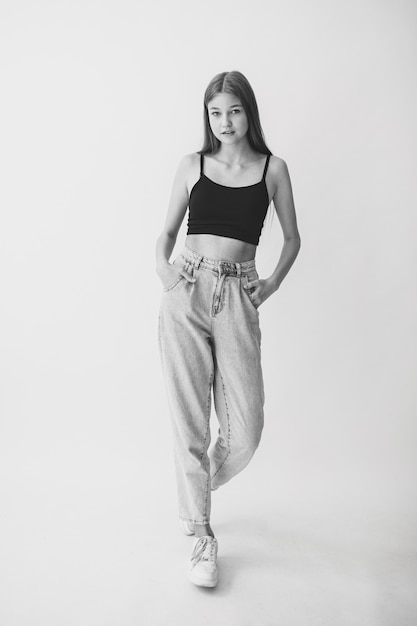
<point>235,154</point>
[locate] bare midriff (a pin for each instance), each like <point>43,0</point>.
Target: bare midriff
<point>222,248</point>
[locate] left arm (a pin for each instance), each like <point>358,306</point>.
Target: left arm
<point>284,206</point>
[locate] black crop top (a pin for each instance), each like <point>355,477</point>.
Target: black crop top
<point>236,212</point>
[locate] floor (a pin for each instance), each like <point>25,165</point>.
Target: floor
<point>85,555</point>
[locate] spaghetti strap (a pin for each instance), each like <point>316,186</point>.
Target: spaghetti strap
<point>201,164</point>
<point>266,166</point>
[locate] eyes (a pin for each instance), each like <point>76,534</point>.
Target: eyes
<point>233,111</point>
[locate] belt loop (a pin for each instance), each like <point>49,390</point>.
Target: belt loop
<point>238,268</point>
<point>198,261</point>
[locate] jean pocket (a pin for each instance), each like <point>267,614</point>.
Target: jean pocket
<point>171,287</point>
<point>178,263</point>
<point>248,290</point>
<point>184,265</point>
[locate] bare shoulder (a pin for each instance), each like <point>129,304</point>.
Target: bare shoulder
<point>189,169</point>
<point>278,175</point>
<point>277,167</point>
<point>189,162</point>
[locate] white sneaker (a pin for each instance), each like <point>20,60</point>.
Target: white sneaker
<point>187,527</point>
<point>203,571</point>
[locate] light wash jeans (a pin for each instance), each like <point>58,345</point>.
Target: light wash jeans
<point>209,340</point>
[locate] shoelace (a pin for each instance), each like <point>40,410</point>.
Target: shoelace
<point>204,550</point>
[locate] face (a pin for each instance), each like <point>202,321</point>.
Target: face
<point>228,120</point>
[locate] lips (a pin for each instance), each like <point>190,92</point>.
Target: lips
<point>228,132</point>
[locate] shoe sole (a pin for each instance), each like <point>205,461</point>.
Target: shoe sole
<point>185,530</point>
<point>201,582</point>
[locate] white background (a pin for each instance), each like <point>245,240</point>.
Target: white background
<point>99,102</point>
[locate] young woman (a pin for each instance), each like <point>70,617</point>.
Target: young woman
<point>209,334</point>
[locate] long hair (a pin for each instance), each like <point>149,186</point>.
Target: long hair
<point>237,84</point>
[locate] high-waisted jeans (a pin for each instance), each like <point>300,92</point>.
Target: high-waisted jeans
<point>210,341</point>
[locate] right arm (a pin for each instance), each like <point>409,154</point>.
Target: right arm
<point>176,210</point>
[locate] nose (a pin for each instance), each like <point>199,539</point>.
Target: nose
<point>226,121</point>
